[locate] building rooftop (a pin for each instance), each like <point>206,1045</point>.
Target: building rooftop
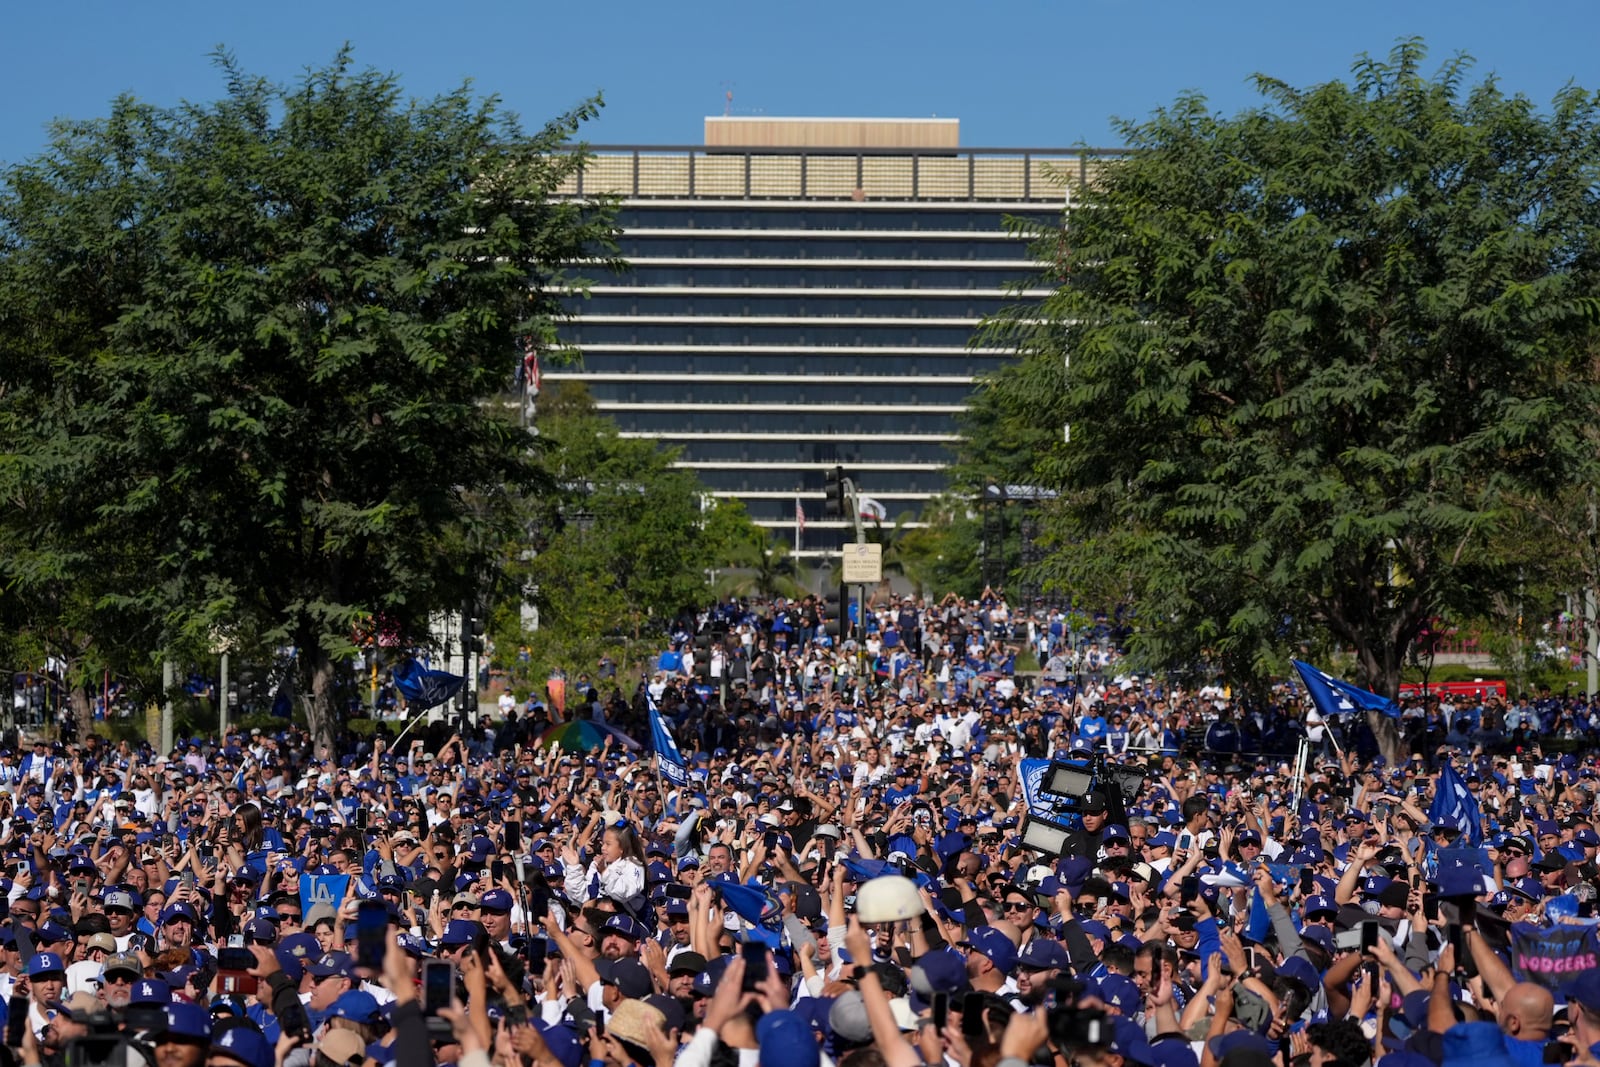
<point>762,131</point>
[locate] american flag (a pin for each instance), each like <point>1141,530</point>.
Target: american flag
<point>530,366</point>
<point>799,521</point>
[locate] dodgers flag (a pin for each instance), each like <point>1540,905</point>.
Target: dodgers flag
<point>1032,772</point>
<point>1334,697</point>
<point>1454,805</point>
<point>326,889</point>
<point>669,761</point>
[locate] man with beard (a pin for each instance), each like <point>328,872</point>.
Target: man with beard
<point>620,937</point>
<point>991,957</point>
<point>116,980</point>
<point>1040,960</point>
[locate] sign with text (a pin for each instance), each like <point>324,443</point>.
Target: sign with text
<point>1551,956</point>
<point>863,564</point>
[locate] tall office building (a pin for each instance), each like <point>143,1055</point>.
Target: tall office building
<point>805,293</point>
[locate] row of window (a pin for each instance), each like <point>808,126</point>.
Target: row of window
<point>788,217</point>
<point>820,390</point>
<point>655,364</point>
<point>812,303</point>
<point>780,449</point>
<point>819,333</point>
<point>634,246</point>
<point>755,480</point>
<point>861,275</point>
<point>743,420</point>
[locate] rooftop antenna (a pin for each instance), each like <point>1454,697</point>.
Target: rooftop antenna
<point>727,103</point>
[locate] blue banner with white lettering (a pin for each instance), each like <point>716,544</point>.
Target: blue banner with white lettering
<point>1032,772</point>
<point>326,889</point>
<point>669,761</point>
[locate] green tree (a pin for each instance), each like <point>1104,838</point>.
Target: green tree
<point>249,342</point>
<point>1301,357</point>
<point>624,540</point>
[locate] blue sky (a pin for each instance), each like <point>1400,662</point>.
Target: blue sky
<point>1022,73</point>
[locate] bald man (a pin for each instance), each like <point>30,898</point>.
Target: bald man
<point>1524,1011</point>
<point>1525,1015</point>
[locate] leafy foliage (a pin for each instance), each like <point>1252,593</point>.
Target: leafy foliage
<point>246,348</point>
<point>1308,357</point>
<point>624,539</point>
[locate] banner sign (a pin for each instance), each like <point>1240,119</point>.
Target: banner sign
<point>1551,956</point>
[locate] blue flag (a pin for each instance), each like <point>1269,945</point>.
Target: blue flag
<point>1032,772</point>
<point>1454,805</point>
<point>1333,697</point>
<point>669,761</point>
<point>326,889</point>
<point>424,689</point>
<point>756,906</point>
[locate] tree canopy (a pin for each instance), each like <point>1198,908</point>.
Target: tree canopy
<point>245,349</point>
<point>1300,365</point>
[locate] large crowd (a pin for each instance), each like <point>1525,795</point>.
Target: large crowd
<point>850,876</point>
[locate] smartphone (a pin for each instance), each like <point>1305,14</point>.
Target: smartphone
<point>497,870</point>
<point>1369,936</point>
<point>678,891</point>
<point>941,1010</point>
<point>770,840</point>
<point>972,1025</point>
<point>438,985</point>
<point>1559,1052</point>
<point>755,965</point>
<point>1430,907</point>
<point>599,1025</point>
<point>1189,889</point>
<point>294,1020</point>
<point>16,1019</point>
<point>512,837</point>
<point>361,819</point>
<point>1458,944</point>
<point>1185,841</point>
<point>235,959</point>
<point>372,933</point>
<point>1308,881</point>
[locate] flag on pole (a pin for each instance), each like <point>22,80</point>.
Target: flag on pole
<point>1334,697</point>
<point>872,509</point>
<point>799,523</point>
<point>1454,805</point>
<point>669,761</point>
<point>531,378</point>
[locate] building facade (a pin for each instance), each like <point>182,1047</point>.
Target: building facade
<point>804,294</point>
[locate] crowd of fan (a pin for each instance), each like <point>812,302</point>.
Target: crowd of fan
<point>844,881</point>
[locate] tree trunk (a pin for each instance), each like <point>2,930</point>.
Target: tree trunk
<point>1382,666</point>
<point>316,675</point>
<point>82,712</point>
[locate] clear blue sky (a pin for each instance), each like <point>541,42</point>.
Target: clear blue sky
<point>1024,72</point>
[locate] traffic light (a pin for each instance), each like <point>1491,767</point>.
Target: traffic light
<point>472,630</point>
<point>834,504</point>
<point>831,613</point>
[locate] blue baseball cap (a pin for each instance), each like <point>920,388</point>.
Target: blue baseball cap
<point>1043,954</point>
<point>460,932</point>
<point>626,926</point>
<point>245,1044</point>
<point>357,1005</point>
<point>45,963</point>
<point>190,1022</point>
<point>150,991</point>
<point>329,964</point>
<point>994,946</point>
<point>496,900</point>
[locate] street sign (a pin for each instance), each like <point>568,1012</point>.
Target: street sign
<point>863,564</point>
